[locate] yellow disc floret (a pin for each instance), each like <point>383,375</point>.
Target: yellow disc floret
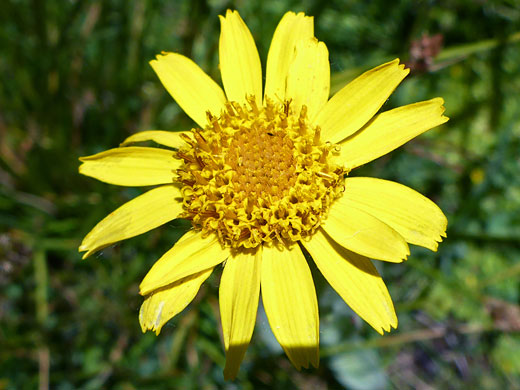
<point>255,175</point>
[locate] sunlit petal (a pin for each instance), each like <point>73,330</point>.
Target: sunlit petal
<point>239,60</point>
<point>163,304</point>
<point>141,214</point>
<point>389,130</point>
<point>308,81</point>
<point>191,254</point>
<point>171,139</point>
<point>412,215</point>
<point>290,303</point>
<point>131,166</point>
<point>355,279</point>
<point>356,103</point>
<point>239,294</point>
<point>362,233</point>
<point>193,90</point>
<point>292,28</point>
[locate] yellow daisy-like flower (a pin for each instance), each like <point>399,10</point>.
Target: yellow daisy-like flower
<point>262,178</point>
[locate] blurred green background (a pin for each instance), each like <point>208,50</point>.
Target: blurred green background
<point>75,80</point>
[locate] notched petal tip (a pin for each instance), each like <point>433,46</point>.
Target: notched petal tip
<point>401,66</point>
<point>142,291</point>
<point>89,250</point>
<point>84,247</point>
<point>396,61</point>
<point>440,237</point>
<point>81,167</point>
<point>308,356</point>
<point>292,14</point>
<point>229,14</point>
<point>388,326</point>
<point>158,58</point>
<point>441,108</point>
<point>440,101</point>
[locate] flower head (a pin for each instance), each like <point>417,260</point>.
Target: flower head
<point>264,177</point>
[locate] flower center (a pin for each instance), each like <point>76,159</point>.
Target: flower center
<point>262,162</point>
<point>256,175</point>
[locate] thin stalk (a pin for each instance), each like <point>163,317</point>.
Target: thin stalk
<point>42,313</point>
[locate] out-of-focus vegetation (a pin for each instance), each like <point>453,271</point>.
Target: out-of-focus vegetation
<point>75,80</point>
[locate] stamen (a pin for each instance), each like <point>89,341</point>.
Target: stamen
<point>201,141</point>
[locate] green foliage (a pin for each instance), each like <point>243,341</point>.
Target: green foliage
<point>76,80</point>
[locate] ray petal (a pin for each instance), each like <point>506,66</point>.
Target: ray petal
<point>238,298</point>
<point>139,215</point>
<point>290,303</point>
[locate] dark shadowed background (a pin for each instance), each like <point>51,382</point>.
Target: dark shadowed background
<point>75,80</point>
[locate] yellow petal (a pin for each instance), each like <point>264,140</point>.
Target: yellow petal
<point>191,254</point>
<point>239,60</point>
<point>353,106</point>
<point>238,297</point>
<point>290,303</point>
<point>131,166</point>
<point>355,279</point>
<point>193,90</point>
<point>389,130</point>
<point>163,304</point>
<point>171,139</point>
<point>141,214</point>
<point>362,233</point>
<point>308,82</point>
<point>291,28</point>
<point>412,215</point>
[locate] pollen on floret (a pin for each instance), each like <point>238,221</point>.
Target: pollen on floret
<point>258,174</point>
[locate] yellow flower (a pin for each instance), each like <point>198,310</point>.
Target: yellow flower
<point>263,178</point>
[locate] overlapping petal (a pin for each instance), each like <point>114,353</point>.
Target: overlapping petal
<point>308,81</point>
<point>290,303</point>
<point>356,103</point>
<point>141,214</point>
<point>163,304</point>
<point>412,215</point>
<point>292,28</point>
<point>363,233</point>
<point>191,254</point>
<point>131,166</point>
<point>172,139</point>
<point>356,280</point>
<point>239,60</point>
<point>389,130</point>
<point>239,293</point>
<point>194,91</point>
